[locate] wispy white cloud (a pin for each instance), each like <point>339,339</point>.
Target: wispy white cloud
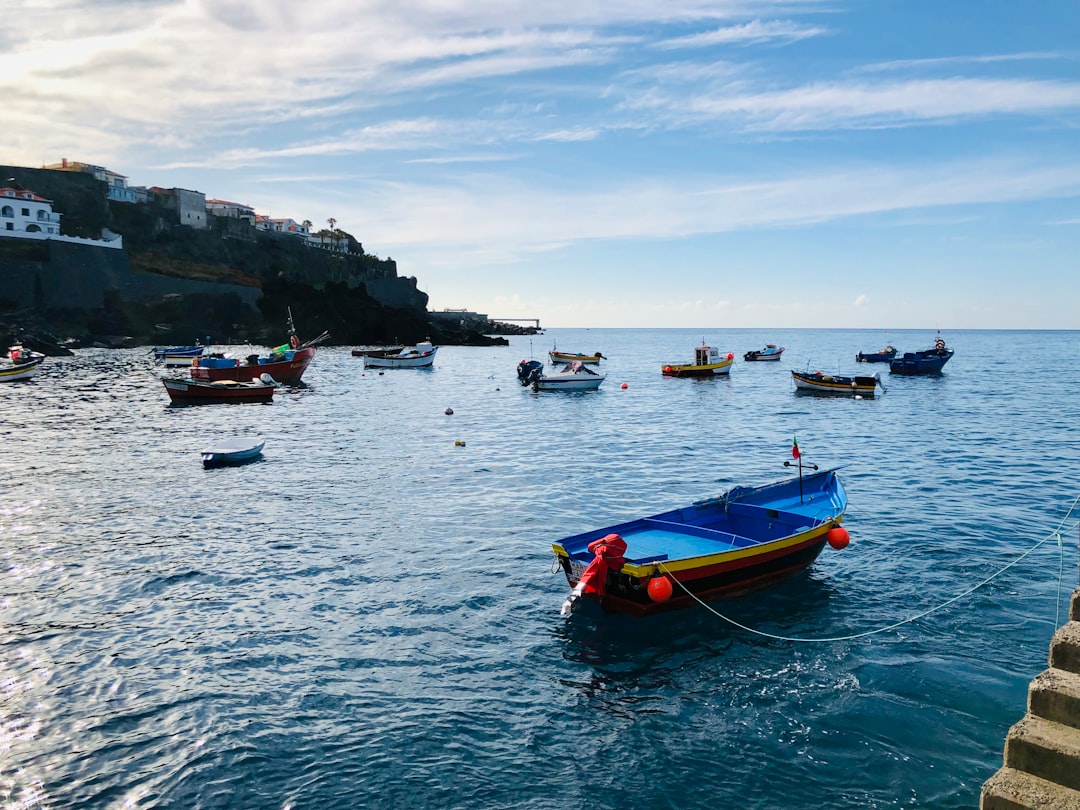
<point>953,61</point>
<point>755,31</point>
<point>849,105</point>
<point>504,217</point>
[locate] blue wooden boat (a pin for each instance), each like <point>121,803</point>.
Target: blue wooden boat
<point>173,356</point>
<point>230,452</point>
<point>745,539</point>
<point>927,361</point>
<point>881,356</point>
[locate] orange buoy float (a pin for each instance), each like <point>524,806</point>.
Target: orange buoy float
<point>838,537</point>
<point>624,386</point>
<point>659,589</point>
<point>730,356</point>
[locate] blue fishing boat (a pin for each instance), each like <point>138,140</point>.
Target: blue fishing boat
<point>231,452</point>
<point>174,356</point>
<point>927,361</point>
<point>881,356</point>
<point>747,538</point>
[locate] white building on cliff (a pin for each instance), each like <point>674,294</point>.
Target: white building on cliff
<point>25,215</point>
<point>23,211</point>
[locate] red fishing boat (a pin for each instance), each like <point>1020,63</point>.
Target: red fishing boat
<point>286,363</point>
<point>203,392</point>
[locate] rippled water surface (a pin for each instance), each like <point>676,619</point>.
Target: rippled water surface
<point>368,616</point>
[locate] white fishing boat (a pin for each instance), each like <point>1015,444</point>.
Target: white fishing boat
<point>20,364</point>
<point>418,356</point>
<point>574,376</point>
<point>226,452</point>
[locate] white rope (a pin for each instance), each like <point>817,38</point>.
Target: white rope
<point>1055,534</point>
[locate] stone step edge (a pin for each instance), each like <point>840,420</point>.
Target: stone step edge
<point>1045,749</point>
<point>1010,789</point>
<point>1055,695</point>
<point>1065,648</point>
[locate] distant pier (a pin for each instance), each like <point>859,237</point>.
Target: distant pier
<point>534,321</point>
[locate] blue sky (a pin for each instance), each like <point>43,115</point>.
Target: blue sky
<point>848,163</point>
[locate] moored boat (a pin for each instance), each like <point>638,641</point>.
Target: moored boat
<point>176,356</point>
<point>883,355</point>
<point>285,364</point>
<point>418,356</point>
<point>527,370</point>
<point>821,383</point>
<point>575,376</point>
<point>375,351</point>
<point>555,356</point>
<point>926,361</point>
<point>708,362</point>
<point>229,452</point>
<point>206,392</point>
<point>746,539</point>
<point>771,352</point>
<point>20,364</point>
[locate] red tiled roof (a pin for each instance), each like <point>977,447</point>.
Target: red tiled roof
<point>20,194</point>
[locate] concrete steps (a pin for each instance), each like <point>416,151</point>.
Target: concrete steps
<point>1010,789</point>
<point>1042,752</point>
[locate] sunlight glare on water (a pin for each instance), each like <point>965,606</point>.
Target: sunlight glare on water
<point>368,616</point>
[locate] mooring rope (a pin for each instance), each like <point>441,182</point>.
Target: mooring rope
<point>1056,534</point>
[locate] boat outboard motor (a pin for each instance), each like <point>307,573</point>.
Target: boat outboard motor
<point>529,370</point>
<point>253,359</point>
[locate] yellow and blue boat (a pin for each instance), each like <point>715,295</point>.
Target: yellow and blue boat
<point>746,539</point>
<point>708,362</point>
<point>818,382</point>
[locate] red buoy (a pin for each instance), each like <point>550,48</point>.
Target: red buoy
<point>659,589</point>
<point>730,356</point>
<point>667,369</point>
<point>624,386</point>
<point>838,537</point>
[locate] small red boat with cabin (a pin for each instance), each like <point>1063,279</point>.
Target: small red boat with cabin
<point>285,363</point>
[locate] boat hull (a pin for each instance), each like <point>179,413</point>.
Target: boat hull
<point>567,384</point>
<point>21,371</point>
<point>747,539</point>
<point>875,357</point>
<point>763,355</point>
<point>202,392</point>
<point>710,370</point>
<point>232,452</point>
<point>925,362</point>
<point>835,384</point>
<point>287,372</point>
<point>566,357</point>
<point>374,351</point>
<point>420,361</point>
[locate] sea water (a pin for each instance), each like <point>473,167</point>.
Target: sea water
<point>369,616</point>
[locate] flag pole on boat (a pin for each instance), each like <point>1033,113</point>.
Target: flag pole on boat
<point>797,455</point>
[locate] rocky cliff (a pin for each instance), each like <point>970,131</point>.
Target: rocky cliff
<point>172,283</point>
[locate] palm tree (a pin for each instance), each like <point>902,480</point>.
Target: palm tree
<point>333,232</point>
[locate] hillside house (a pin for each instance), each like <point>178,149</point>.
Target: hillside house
<point>118,190</point>
<point>22,211</point>
<point>231,210</point>
<point>189,206</point>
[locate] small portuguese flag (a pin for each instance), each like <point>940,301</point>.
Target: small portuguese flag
<point>795,448</point>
